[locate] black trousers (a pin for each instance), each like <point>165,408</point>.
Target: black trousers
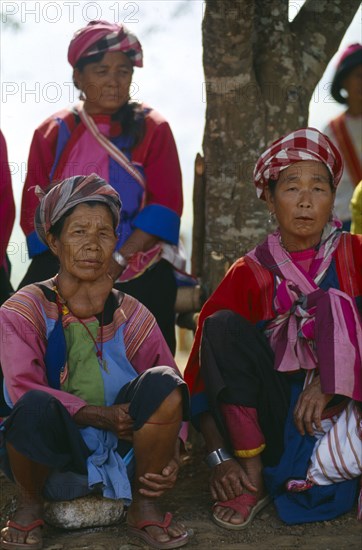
<point>156,289</point>
<point>40,428</point>
<point>42,267</point>
<point>237,365</point>
<point>5,286</point>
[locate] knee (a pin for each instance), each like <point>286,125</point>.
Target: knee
<point>165,381</point>
<point>34,405</point>
<point>33,400</point>
<point>174,401</point>
<point>159,377</point>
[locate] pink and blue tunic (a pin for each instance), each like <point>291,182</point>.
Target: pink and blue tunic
<point>52,353</point>
<point>62,147</point>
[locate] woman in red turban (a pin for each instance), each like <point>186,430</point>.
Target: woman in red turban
<point>275,372</point>
<point>129,145</point>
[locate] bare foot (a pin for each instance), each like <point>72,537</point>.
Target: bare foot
<point>24,516</point>
<point>144,509</point>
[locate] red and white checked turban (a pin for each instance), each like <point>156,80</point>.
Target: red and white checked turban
<point>303,144</point>
<point>102,37</point>
<point>68,193</point>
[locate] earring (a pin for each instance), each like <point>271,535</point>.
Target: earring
<point>271,218</point>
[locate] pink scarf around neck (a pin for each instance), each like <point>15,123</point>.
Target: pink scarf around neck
<point>313,328</point>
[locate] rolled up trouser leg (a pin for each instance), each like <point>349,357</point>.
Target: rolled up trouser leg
<point>237,365</point>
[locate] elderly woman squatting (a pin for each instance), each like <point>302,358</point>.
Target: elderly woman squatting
<point>279,341</point>
<point>89,377</point>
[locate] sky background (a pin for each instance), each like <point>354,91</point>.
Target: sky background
<point>36,79</point>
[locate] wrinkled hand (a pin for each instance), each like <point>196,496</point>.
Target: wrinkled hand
<point>228,480</point>
<point>120,422</point>
<point>115,270</point>
<point>309,408</point>
<point>115,419</point>
<point>154,485</point>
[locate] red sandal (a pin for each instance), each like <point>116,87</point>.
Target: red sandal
<point>25,529</point>
<point>142,534</point>
<point>246,505</point>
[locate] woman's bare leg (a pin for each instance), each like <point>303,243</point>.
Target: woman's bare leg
<point>154,446</point>
<point>30,478</point>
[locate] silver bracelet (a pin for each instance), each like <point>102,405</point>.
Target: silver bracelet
<point>121,260</point>
<point>217,457</point>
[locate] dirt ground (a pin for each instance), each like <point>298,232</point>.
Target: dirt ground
<point>190,502</point>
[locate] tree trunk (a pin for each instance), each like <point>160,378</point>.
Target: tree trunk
<point>198,230</point>
<point>260,73</point>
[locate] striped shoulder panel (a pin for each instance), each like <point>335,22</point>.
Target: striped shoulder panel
<point>119,309</point>
<point>31,304</point>
<point>140,323</point>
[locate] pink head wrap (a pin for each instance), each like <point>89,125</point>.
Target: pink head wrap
<point>102,37</point>
<point>303,144</point>
<point>68,193</point>
<point>350,50</point>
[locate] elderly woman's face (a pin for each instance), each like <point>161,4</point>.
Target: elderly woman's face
<point>302,202</point>
<point>106,83</point>
<point>86,243</point>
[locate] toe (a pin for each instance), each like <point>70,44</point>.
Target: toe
<point>229,515</point>
<point>158,534</point>
<point>176,529</point>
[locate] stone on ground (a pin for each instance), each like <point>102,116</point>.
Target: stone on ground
<point>89,511</point>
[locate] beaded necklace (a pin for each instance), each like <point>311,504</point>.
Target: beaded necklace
<point>64,309</point>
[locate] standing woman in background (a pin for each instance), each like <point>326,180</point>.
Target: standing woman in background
<point>131,146</point>
<point>346,129</point>
<point>7,216</point>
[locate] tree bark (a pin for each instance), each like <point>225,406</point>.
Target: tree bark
<point>260,74</point>
<point>198,230</point>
